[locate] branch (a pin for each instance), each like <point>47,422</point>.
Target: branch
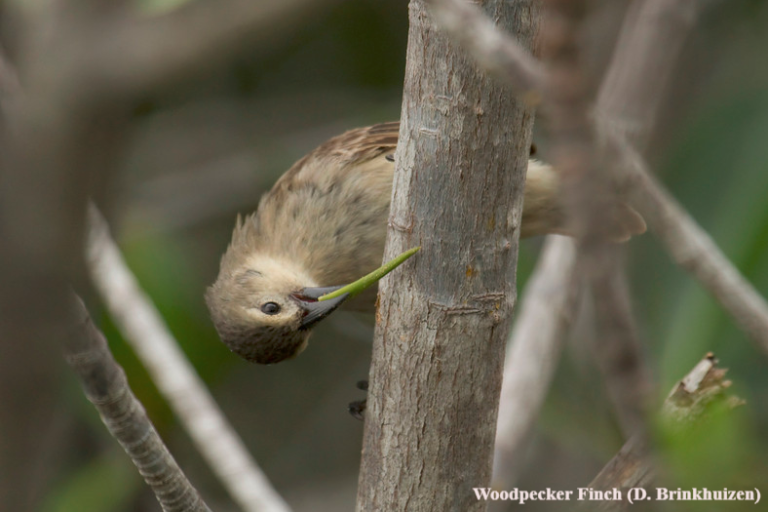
<point>144,329</point>
<point>106,387</point>
<point>39,259</point>
<point>82,68</point>
<point>548,307</point>
<point>443,317</point>
<point>618,347</point>
<point>686,404</point>
<point>693,249</point>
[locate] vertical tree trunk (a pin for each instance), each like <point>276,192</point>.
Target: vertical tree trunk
<point>444,317</point>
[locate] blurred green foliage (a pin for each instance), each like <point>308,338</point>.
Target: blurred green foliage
<point>105,482</point>
<point>719,170</point>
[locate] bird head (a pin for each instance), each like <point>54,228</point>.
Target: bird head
<point>264,308</point>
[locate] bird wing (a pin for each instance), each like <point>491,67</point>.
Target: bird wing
<point>361,144</point>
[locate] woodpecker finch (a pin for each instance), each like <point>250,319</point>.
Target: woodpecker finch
<point>324,224</point>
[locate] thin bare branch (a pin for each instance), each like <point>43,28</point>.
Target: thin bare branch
<point>106,386</point>
<point>693,249</point>
<point>642,65</point>
<point>629,468</point>
<point>618,348</point>
<point>548,307</point>
<point>496,52</point>
<point>142,326</point>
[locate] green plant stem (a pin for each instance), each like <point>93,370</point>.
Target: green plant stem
<point>364,282</point>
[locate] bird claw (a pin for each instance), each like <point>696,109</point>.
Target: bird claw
<point>357,408</point>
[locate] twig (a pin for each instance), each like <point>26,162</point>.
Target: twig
<point>145,330</point>
<point>693,249</point>
<point>686,403</point>
<point>618,348</point>
<point>652,35</point>
<point>548,306</point>
<point>497,53</point>
<point>106,387</point>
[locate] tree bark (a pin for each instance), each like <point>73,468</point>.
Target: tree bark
<point>444,317</point>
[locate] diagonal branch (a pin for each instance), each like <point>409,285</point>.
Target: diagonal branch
<point>693,249</point>
<point>106,387</point>
<point>548,307</point>
<point>643,61</point>
<point>142,326</point>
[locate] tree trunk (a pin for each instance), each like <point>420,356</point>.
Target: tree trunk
<point>444,316</point>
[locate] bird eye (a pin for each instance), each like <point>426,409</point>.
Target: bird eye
<point>270,308</point>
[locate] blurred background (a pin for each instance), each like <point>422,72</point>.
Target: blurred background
<point>205,151</point>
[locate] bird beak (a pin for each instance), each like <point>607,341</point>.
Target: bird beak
<point>315,310</point>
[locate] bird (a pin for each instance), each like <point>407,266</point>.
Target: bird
<point>324,224</point>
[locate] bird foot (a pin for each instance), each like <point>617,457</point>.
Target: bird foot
<point>357,408</point>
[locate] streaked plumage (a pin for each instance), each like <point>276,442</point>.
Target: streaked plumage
<point>324,223</point>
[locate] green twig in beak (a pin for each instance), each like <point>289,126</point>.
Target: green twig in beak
<point>364,282</point>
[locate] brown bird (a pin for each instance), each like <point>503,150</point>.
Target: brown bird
<point>323,224</point>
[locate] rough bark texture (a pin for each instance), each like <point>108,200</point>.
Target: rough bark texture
<point>143,328</point>
<point>444,317</point>
<point>106,386</point>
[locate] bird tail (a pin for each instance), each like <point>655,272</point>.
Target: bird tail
<point>625,223</point>
<point>544,209</point>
